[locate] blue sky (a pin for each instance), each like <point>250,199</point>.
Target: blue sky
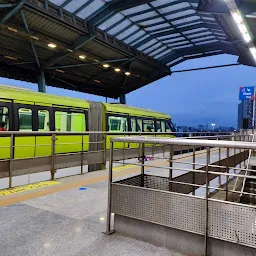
<point>191,98</point>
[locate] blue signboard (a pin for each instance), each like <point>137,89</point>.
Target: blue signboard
<point>246,93</point>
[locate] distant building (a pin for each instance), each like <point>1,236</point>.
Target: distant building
<point>245,110</point>
<point>203,127</point>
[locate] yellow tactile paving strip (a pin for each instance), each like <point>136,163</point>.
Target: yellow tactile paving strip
<point>20,189</point>
<point>58,186</point>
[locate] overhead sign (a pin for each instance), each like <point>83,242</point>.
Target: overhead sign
<point>246,93</point>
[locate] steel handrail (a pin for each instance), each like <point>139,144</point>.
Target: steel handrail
<point>247,167</point>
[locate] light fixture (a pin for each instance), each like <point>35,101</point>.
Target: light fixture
<point>246,37</point>
<point>12,29</point>
<point>102,218</point>
<point>60,71</point>
<point>52,45</point>
<point>127,73</point>
<point>242,28</point>
<point>69,50</point>
<point>117,69</point>
<point>237,17</point>
<point>10,57</point>
<point>97,81</point>
<point>35,37</point>
<point>82,57</point>
<point>106,65</point>
<point>253,52</point>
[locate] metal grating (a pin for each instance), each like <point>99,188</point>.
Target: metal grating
<point>230,222</point>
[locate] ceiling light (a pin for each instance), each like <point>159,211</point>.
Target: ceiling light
<point>82,57</point>
<point>127,73</point>
<point>106,65</point>
<point>253,51</point>
<point>12,29</point>
<point>247,37</point>
<point>52,45</point>
<point>59,70</point>
<point>237,17</point>
<point>117,69</point>
<point>242,28</point>
<point>96,60</point>
<point>10,57</point>
<point>69,50</point>
<point>97,81</point>
<point>35,37</point>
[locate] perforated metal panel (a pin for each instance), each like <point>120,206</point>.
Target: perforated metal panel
<point>168,209</point>
<point>230,222</point>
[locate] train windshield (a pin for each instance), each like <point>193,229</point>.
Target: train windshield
<point>170,126</point>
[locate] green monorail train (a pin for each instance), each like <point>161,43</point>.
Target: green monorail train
<point>26,110</point>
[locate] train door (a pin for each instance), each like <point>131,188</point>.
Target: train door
<point>6,120</point>
<point>70,120</point>
<point>24,121</point>
<point>117,123</point>
<point>149,127</point>
<point>133,128</point>
<point>44,123</point>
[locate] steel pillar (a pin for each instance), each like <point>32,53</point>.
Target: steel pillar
<point>41,83</point>
<point>122,98</point>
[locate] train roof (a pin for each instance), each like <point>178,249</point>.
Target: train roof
<point>26,95</point>
<point>120,108</point>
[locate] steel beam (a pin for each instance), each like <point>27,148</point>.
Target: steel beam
<point>111,8</point>
<point>197,49</point>
<point>12,12</point>
<point>6,5</point>
<point>31,43</point>
<point>90,63</point>
<point>204,68</point>
<point>213,7</point>
<point>173,31</point>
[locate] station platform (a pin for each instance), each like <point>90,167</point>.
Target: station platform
<point>67,216</point>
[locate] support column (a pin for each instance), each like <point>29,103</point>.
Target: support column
<point>41,83</point>
<point>122,98</point>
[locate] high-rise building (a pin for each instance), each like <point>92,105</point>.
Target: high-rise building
<point>245,110</point>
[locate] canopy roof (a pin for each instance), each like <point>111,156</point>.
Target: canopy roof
<point>143,39</point>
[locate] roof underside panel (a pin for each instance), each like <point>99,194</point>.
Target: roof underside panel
<point>143,39</point>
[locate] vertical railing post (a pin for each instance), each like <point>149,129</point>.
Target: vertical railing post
<point>82,155</point>
<point>227,176</point>
<point>235,157</point>
<point>142,163</point>
<point>219,177</point>
<point>11,160</point>
<point>53,156</point>
<point>194,174</point>
<point>206,200</point>
<point>171,165</point>
<point>110,179</point>
<point>104,150</point>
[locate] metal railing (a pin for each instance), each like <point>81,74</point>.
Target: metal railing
<point>197,184</point>
<point>46,154</point>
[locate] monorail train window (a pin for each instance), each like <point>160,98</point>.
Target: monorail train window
<point>158,126</point>
<point>148,126</point>
<point>4,117</point>
<point>25,119</point>
<point>169,126</point>
<point>133,125</point>
<point>139,121</point>
<point>69,122</point>
<point>163,126</point>
<point>43,120</point>
<point>117,124</point>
